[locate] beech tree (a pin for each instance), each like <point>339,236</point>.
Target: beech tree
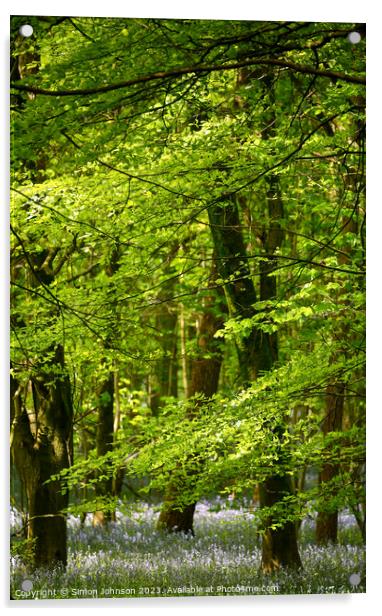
<point>41,396</point>
<point>206,361</point>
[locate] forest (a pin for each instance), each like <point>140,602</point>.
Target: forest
<point>187,269</point>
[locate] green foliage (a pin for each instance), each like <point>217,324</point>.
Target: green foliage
<point>110,235</point>
<point>23,550</point>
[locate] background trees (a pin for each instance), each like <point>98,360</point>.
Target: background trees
<point>157,165</point>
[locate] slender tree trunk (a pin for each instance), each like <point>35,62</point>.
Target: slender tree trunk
<point>298,481</point>
<point>107,427</point>
<point>183,349</point>
<point>85,446</point>
<point>205,371</point>
<point>104,444</point>
<point>164,381</point>
<point>106,419</point>
<point>120,472</point>
<point>327,521</point>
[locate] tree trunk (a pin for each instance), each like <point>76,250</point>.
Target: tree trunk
<point>279,546</point>
<point>257,351</point>
<point>183,352</point>
<point>42,447</point>
<point>240,294</point>
<point>164,379</point>
<point>327,521</point>
<point>205,370</point>
<point>104,444</point>
<point>106,422</point>
<point>120,472</point>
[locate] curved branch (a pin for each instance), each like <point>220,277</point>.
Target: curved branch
<point>185,70</point>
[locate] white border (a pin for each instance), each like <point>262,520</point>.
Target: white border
<point>324,10</point>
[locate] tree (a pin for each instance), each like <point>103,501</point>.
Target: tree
<point>257,353</point>
<point>205,368</point>
<point>41,397</point>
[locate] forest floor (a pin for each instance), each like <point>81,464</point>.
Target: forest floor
<point>132,559</point>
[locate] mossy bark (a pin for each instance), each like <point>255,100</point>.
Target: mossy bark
<point>42,447</point>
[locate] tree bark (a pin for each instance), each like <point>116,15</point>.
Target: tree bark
<point>42,447</point>
<point>257,351</point>
<point>183,351</point>
<point>205,371</point>
<point>327,521</point>
<point>106,419</point>
<point>104,444</point>
<point>164,379</point>
<point>42,439</point>
<point>120,472</point>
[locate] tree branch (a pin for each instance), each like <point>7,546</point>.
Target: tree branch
<point>185,70</point>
